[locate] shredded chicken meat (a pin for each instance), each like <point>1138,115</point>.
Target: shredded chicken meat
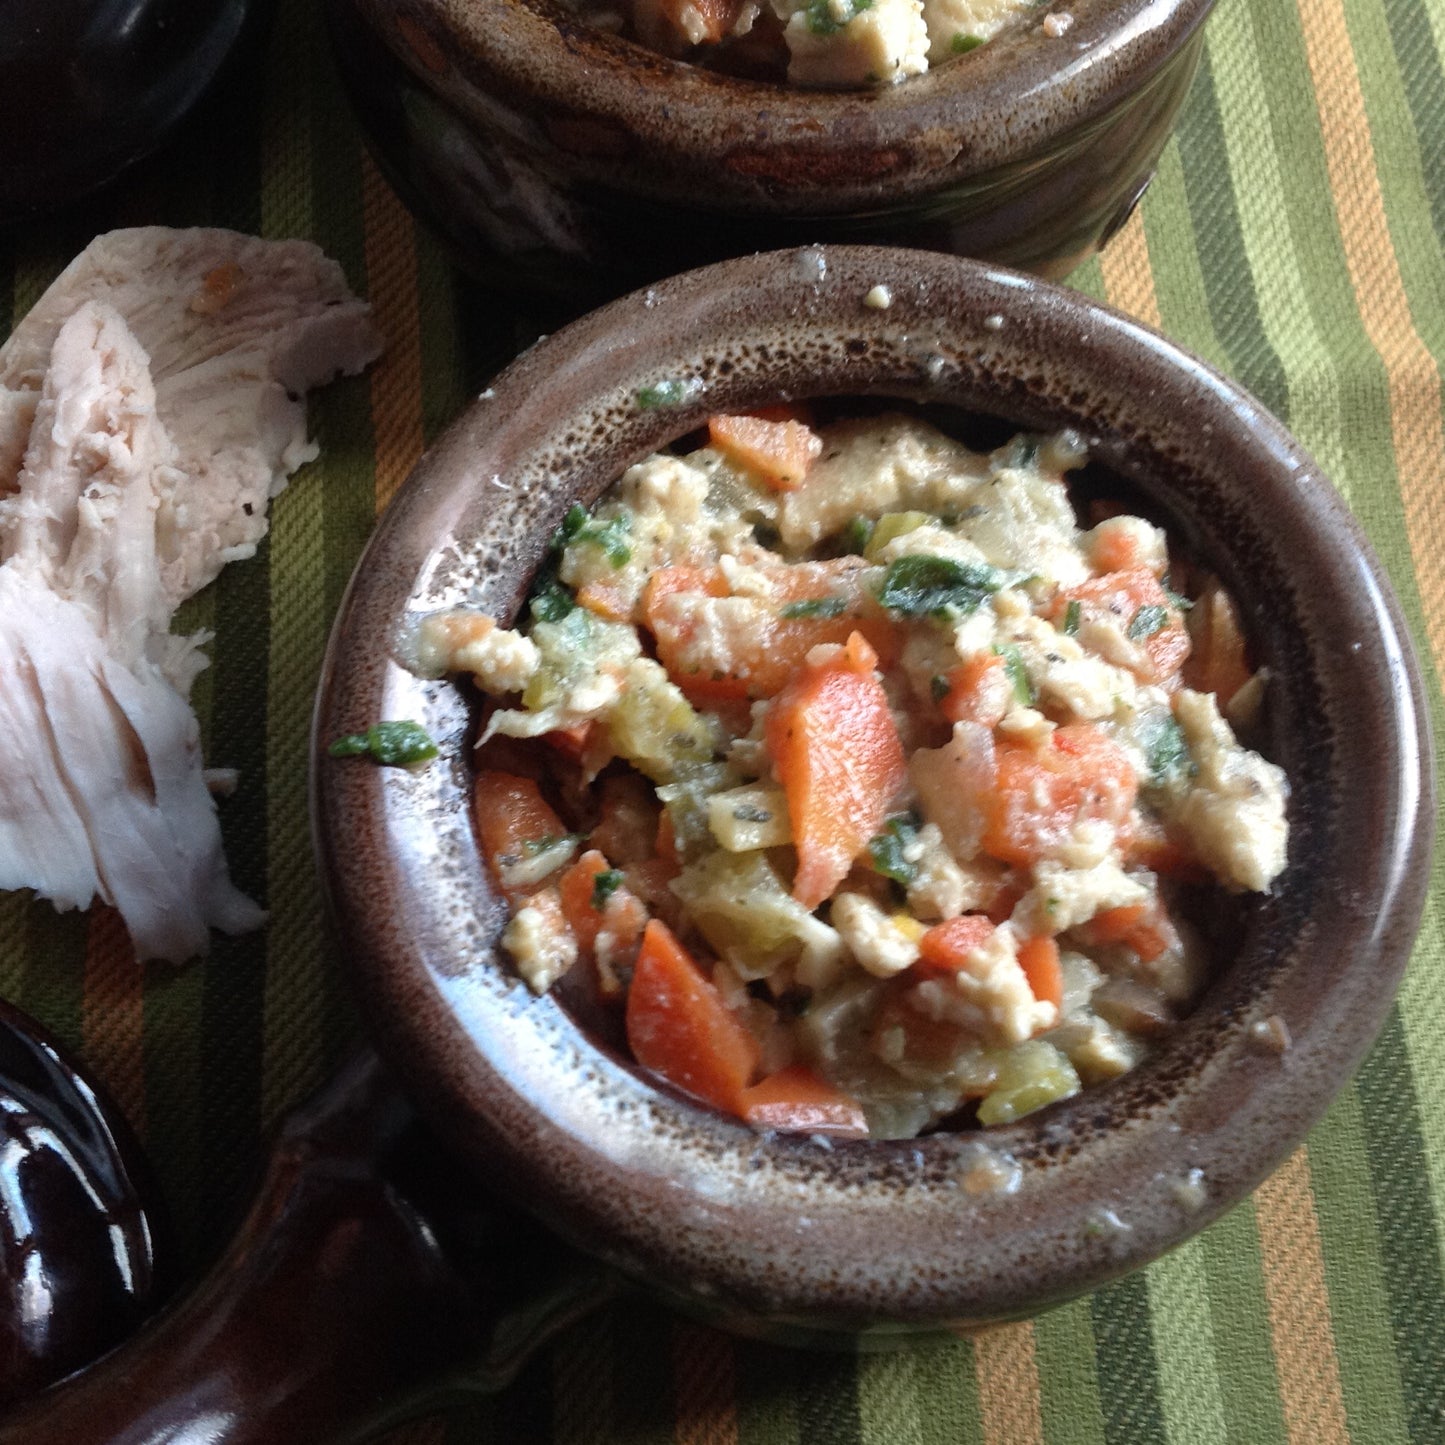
<point>151,404</point>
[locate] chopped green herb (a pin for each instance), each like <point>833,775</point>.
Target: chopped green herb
<point>1147,621</point>
<point>962,43</point>
<point>1176,599</point>
<point>604,885</point>
<point>551,600</point>
<point>1073,613</point>
<point>1024,452</point>
<point>610,535</point>
<point>939,686</point>
<point>888,848</point>
<point>1018,674</point>
<point>666,393</point>
<point>1166,752</point>
<point>395,744</point>
<point>572,525</point>
<point>854,537</point>
<point>936,586</point>
<point>828,17</point>
<point>815,607</point>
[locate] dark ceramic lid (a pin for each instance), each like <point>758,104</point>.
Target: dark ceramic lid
<point>879,1233</point>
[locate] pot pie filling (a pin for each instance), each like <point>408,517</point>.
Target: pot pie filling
<point>824,44</point>
<point>861,784</point>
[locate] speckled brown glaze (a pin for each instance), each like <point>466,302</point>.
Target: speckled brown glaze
<point>547,150</point>
<point>769,1232</point>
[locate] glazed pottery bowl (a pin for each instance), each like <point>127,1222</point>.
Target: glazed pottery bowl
<point>784,1233</point>
<point>552,152</point>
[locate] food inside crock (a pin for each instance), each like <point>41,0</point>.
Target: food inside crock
<point>828,44</point>
<point>866,786</point>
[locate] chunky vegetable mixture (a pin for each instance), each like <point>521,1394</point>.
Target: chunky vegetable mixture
<point>818,43</point>
<point>859,781</point>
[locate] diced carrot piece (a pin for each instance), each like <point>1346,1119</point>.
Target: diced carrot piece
<point>571,742</point>
<point>679,1027</point>
<point>605,600</point>
<point>1039,959</point>
<point>978,690</point>
<point>1218,663</point>
<point>511,815</point>
<point>946,946</point>
<point>1044,793</point>
<point>1143,927</point>
<point>1001,906</point>
<point>1154,847</point>
<point>622,914</point>
<point>1114,925</point>
<point>1123,597</point>
<point>837,754</point>
<point>758,662</point>
<point>1115,550</point>
<point>780,452</point>
<point>797,1100</point>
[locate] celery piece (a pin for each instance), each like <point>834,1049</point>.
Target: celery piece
<point>1032,1074</point>
<point>891,525</point>
<point>393,744</point>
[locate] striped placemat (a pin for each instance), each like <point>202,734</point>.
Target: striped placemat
<point>1293,238</point>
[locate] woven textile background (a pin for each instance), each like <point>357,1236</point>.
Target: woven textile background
<point>1294,238</point>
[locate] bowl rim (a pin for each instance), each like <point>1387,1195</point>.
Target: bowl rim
<point>950,114</point>
<point>881,1235</point>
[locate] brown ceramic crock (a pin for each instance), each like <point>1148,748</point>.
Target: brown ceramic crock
<point>780,1233</point>
<point>372,1264</point>
<point>557,154</point>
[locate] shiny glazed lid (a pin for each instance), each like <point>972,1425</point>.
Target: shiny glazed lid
<point>775,1231</point>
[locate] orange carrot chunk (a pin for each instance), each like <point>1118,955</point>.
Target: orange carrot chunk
<point>1136,601</point>
<point>780,452</point>
<point>946,946</point>
<point>1039,959</point>
<point>679,1027</point>
<point>799,1101</point>
<point>836,751</point>
<point>1219,663</point>
<point>513,819</point>
<point>1146,928</point>
<point>1044,793</point>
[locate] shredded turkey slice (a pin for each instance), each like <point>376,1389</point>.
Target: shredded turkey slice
<point>150,406</point>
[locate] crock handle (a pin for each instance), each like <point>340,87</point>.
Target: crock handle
<point>362,1278</point>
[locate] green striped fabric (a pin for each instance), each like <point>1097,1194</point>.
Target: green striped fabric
<point>1294,238</point>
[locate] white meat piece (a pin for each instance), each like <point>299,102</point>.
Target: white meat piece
<point>881,464</point>
<point>83,519</point>
<point>149,406</point>
<point>112,761</point>
<point>880,944</point>
<point>541,944</point>
<point>237,329</point>
<point>952,782</point>
<point>989,994</point>
<point>465,640</point>
<point>1062,898</point>
<point>1234,813</point>
<point>884,43</point>
<point>949,19</point>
